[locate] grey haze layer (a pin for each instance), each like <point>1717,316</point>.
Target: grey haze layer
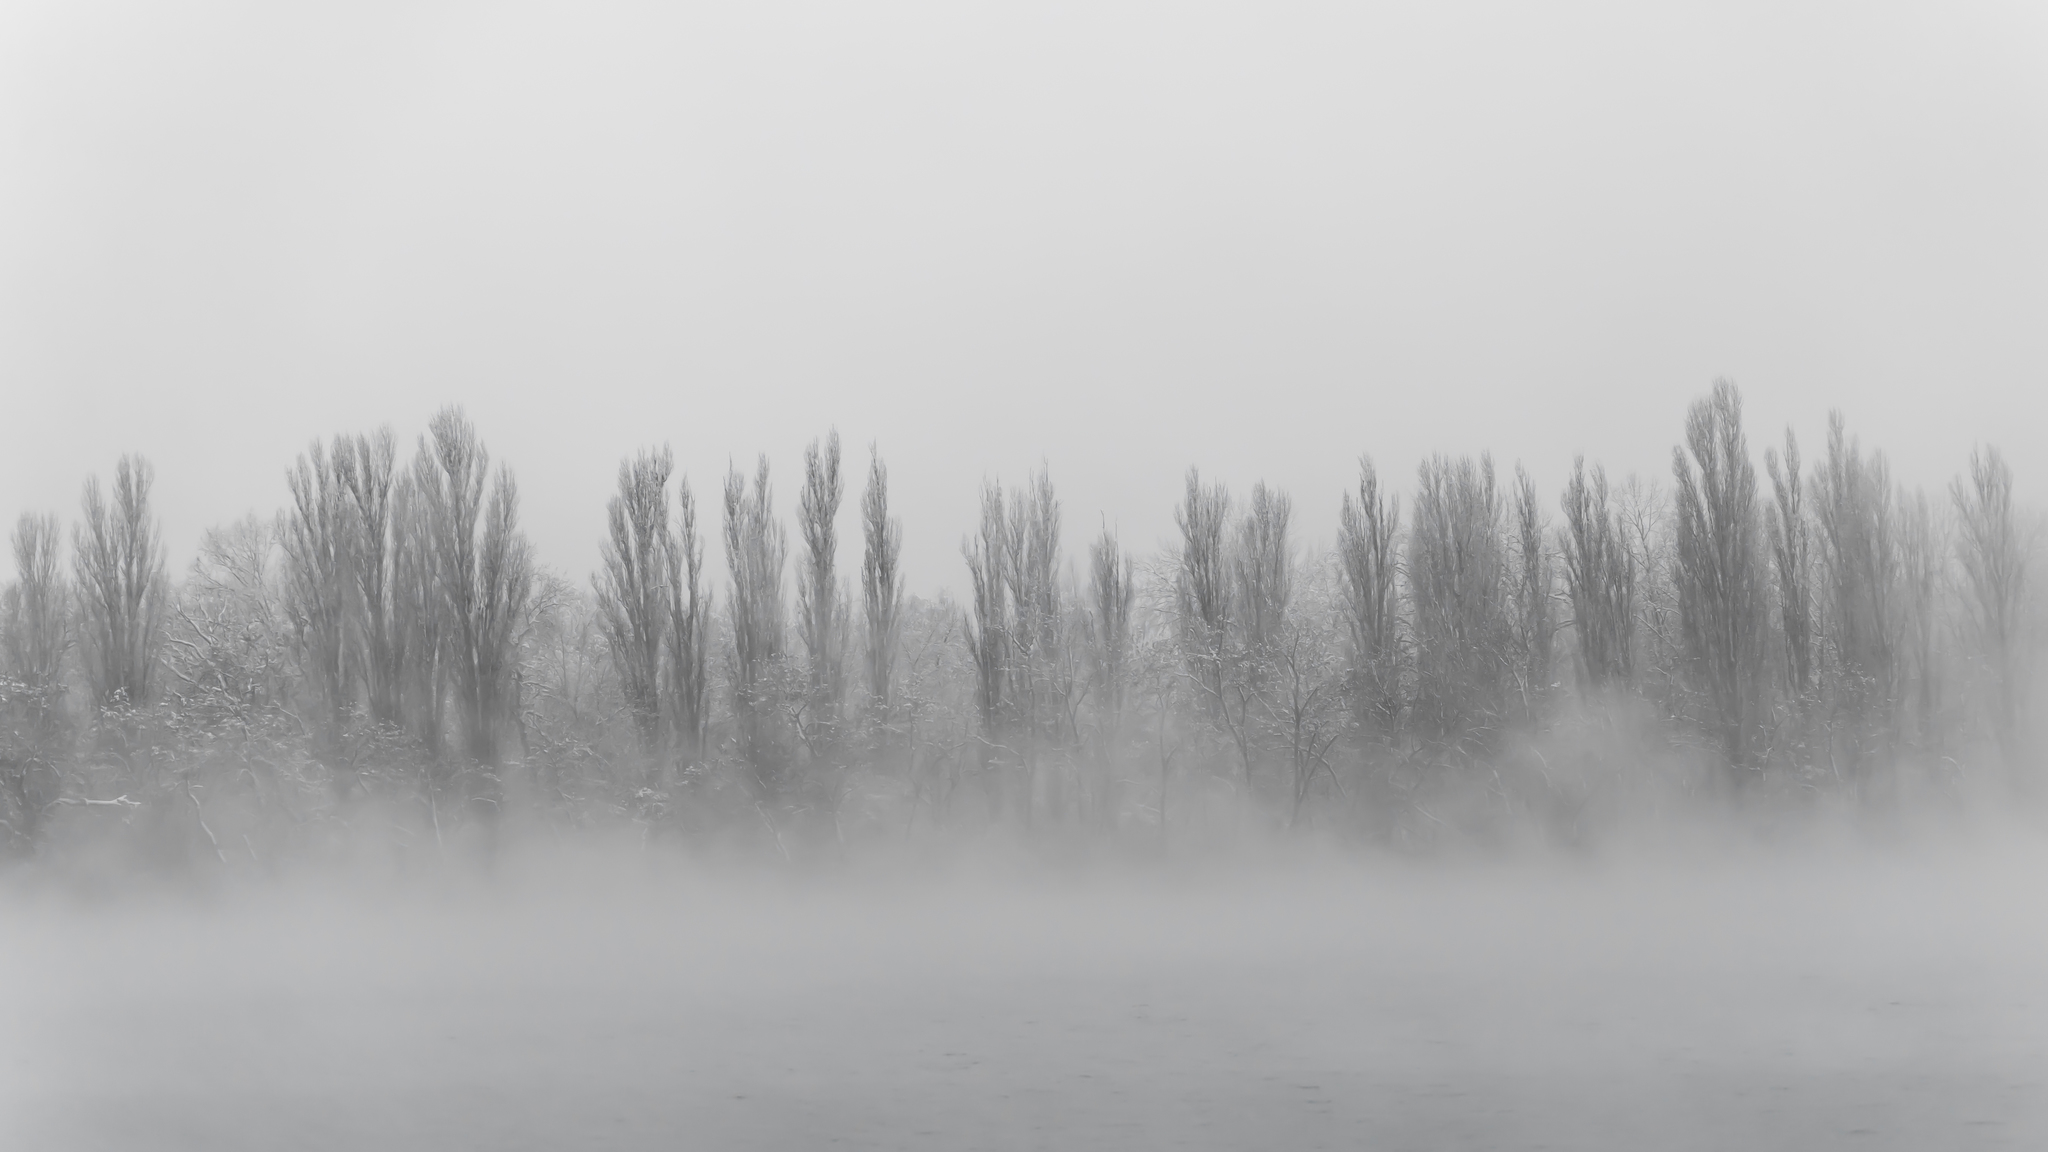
<point>1782,1003</point>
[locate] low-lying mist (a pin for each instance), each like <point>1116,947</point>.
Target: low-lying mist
<point>591,990</point>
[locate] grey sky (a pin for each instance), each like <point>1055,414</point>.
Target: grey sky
<point>1121,238</point>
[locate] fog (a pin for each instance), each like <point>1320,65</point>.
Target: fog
<point>1373,575</point>
<point>610,998</point>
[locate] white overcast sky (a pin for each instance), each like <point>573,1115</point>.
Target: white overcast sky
<point>1120,238</point>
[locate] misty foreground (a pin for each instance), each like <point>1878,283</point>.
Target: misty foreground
<point>1764,999</point>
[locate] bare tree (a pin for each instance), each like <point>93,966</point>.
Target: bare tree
<point>504,588</point>
<point>1112,592</point>
<point>1457,585</point>
<point>1924,581</point>
<point>484,575</point>
<point>632,598</point>
<point>1647,522</point>
<point>986,629</point>
<point>1720,591</point>
<point>755,549</point>
<point>1600,577</point>
<point>689,634</point>
<point>568,690</point>
<point>33,634</point>
<point>1535,614</point>
<point>1994,554</point>
<point>118,563</point>
<point>33,640</point>
<point>1048,674</point>
<point>1265,566</point>
<point>232,648</point>
<point>419,619</point>
<point>1859,549</point>
<point>821,614</point>
<point>1790,552</point>
<point>881,586</point>
<point>1203,585</point>
<point>367,467</point>
<point>316,533</point>
<point>1031,560</point>
<point>1367,534</point>
<point>1015,633</point>
<point>1303,702</point>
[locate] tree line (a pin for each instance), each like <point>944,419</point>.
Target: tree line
<point>1480,655</point>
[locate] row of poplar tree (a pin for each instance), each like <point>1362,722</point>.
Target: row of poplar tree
<point>389,633</point>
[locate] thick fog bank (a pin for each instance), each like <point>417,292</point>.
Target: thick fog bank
<point>1781,998</point>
